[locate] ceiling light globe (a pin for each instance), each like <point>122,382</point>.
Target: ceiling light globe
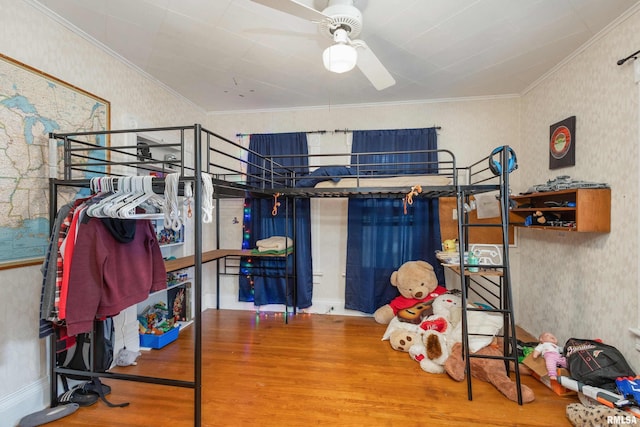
<point>340,58</point>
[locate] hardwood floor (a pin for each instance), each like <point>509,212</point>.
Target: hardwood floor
<point>315,370</point>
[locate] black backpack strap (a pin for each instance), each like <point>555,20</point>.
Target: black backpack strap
<point>96,386</point>
<point>65,383</point>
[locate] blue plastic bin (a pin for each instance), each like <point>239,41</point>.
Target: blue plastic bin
<point>159,341</point>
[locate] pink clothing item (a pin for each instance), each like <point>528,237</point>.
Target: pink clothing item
<point>554,360</point>
<point>108,276</point>
<point>67,247</point>
<point>553,357</point>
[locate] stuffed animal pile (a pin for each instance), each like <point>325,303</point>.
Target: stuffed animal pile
<point>431,331</point>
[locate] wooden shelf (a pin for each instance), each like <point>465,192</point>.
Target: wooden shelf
<point>589,210</point>
<point>189,261</point>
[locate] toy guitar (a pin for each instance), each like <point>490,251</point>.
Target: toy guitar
<point>416,313</point>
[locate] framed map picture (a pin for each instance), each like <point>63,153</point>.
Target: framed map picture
<point>32,105</point>
<point>562,143</point>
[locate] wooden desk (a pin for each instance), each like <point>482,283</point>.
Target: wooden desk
<point>189,261</point>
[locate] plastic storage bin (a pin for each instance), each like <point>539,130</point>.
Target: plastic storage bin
<point>159,341</point>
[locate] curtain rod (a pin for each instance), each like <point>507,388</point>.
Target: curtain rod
<point>309,131</point>
<point>633,55</point>
<point>325,131</point>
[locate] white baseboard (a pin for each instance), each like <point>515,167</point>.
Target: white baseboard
<point>319,306</point>
<point>25,401</point>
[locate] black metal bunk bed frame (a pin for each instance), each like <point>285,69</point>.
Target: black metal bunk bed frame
<point>82,157</point>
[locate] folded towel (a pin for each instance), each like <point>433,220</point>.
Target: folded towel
<point>262,251</point>
<point>277,243</point>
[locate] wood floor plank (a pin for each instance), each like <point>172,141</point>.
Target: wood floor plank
<point>315,370</point>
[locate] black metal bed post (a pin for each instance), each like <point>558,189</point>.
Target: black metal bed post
<point>217,247</point>
<point>197,191</point>
<point>217,209</point>
<point>508,297</point>
<point>463,243</point>
<point>53,381</point>
<point>288,287</point>
<point>294,255</point>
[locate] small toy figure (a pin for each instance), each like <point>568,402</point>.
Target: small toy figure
<point>551,352</point>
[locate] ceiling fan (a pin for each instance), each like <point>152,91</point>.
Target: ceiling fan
<point>340,21</point>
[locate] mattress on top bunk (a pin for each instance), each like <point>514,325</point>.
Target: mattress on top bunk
<point>387,182</point>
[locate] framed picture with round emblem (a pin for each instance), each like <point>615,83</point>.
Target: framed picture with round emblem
<point>562,143</point>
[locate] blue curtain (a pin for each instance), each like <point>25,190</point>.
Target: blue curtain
<point>380,236</point>
<point>261,279</point>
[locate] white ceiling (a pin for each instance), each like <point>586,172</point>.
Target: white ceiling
<point>226,55</point>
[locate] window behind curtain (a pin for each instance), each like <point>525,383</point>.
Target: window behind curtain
<point>263,282</point>
<point>380,236</point>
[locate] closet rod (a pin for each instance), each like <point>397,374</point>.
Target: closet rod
<point>325,131</point>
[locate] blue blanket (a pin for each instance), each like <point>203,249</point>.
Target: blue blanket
<point>324,173</point>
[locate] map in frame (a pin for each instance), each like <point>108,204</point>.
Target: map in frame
<point>32,105</point>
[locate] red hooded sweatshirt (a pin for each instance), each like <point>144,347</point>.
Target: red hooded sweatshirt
<point>116,264</point>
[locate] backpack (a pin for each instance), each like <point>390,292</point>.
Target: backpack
<point>78,356</point>
<point>595,364</point>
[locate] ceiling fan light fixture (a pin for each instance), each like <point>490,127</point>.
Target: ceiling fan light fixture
<point>340,58</point>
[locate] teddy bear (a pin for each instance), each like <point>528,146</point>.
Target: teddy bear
<point>491,370</point>
<point>416,282</point>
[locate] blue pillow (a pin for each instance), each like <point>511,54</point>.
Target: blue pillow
<point>324,173</point>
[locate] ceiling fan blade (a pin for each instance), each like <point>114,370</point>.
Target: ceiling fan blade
<point>294,8</point>
<point>371,66</point>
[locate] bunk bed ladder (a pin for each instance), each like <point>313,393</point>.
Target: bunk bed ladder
<point>499,277</point>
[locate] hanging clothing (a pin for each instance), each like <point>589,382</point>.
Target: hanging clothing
<point>108,275</point>
<point>61,284</point>
<point>47,299</point>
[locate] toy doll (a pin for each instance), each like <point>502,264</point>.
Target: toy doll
<point>551,353</point>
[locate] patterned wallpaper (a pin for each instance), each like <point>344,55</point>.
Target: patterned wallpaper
<point>586,285</point>
<point>36,40</point>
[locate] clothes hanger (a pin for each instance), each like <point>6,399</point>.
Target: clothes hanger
<point>122,190</point>
<point>133,191</point>
<point>144,194</point>
<point>106,188</point>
